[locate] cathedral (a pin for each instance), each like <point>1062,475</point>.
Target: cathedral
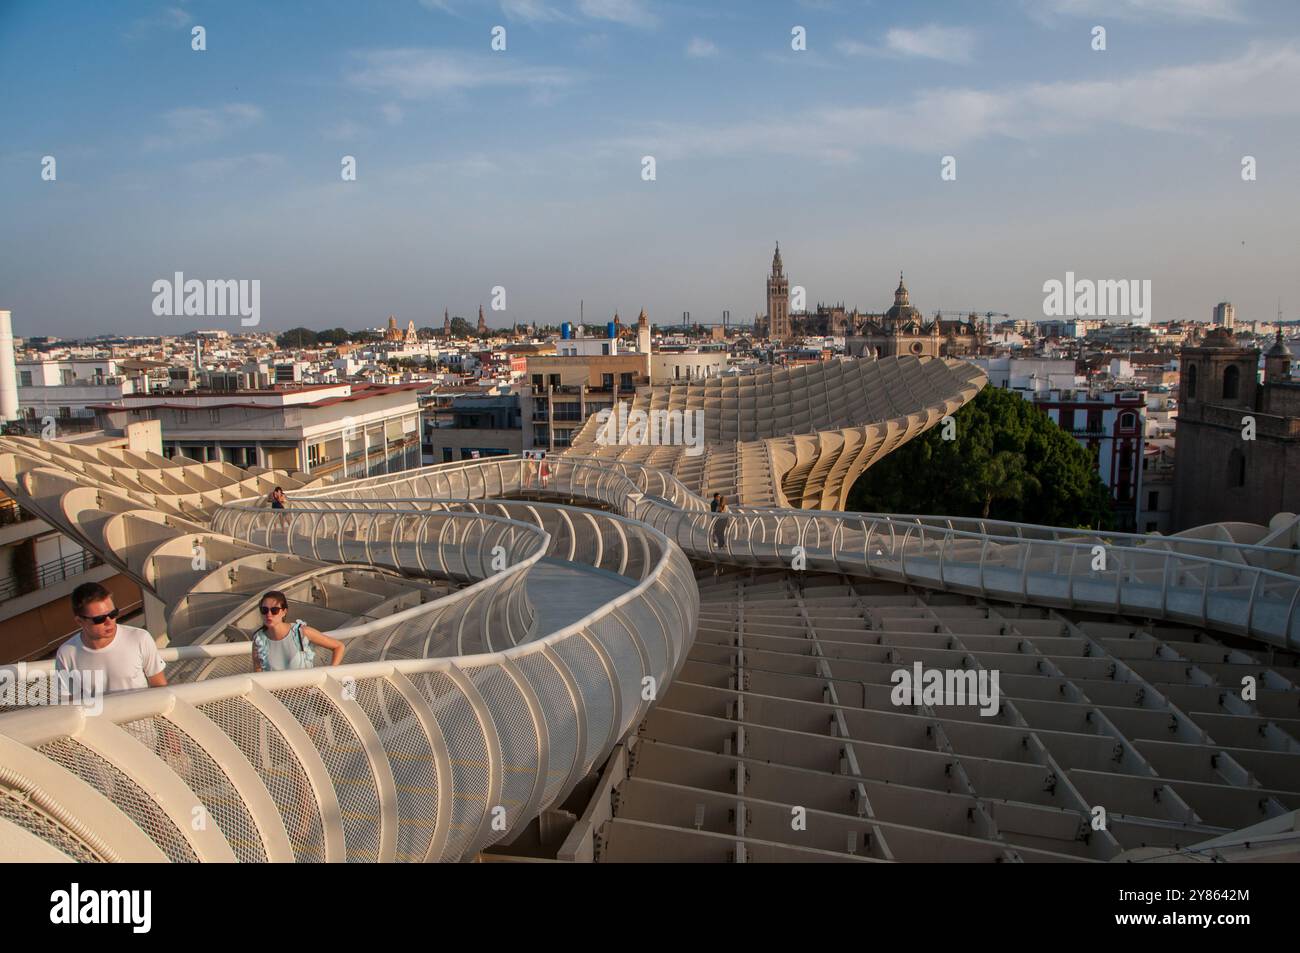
<point>900,330</point>
<point>395,335</point>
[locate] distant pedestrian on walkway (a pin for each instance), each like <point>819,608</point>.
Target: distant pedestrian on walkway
<point>713,503</point>
<point>720,522</point>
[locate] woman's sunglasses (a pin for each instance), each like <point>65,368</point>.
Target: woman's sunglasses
<point>270,610</point>
<point>99,619</point>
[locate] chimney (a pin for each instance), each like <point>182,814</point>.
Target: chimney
<point>8,370</point>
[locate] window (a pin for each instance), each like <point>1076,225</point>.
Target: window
<point>446,455</point>
<point>604,348</point>
<point>607,381</point>
<point>555,380</point>
<point>1127,421</point>
<point>1152,499</point>
<point>65,412</point>
<point>315,454</point>
<point>25,378</point>
<point>1191,380</point>
<point>625,381</point>
<point>1231,382</point>
<point>65,377</point>
<point>537,380</point>
<point>182,416</point>
<point>214,415</point>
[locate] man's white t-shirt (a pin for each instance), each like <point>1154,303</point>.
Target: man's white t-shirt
<point>127,662</point>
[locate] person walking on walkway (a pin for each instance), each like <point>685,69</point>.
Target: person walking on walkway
<point>720,522</point>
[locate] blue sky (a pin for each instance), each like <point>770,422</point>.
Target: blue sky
<point>522,168</point>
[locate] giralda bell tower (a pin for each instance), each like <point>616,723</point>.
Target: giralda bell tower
<point>778,301</point>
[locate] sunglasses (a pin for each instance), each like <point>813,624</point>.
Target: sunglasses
<point>270,610</point>
<point>99,619</point>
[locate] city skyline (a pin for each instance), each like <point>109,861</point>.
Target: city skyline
<point>522,168</point>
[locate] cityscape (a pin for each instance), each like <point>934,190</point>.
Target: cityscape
<point>729,535</point>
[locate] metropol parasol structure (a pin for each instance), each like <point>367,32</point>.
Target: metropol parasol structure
<point>590,664</point>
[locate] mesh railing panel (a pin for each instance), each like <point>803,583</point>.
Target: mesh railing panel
<point>21,812</point>
<point>215,792</point>
<point>561,719</point>
<point>467,748</point>
<point>518,736</point>
<point>129,797</point>
<point>348,766</point>
<point>280,770</point>
<point>411,757</point>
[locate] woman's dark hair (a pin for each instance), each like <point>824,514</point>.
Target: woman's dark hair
<point>277,595</point>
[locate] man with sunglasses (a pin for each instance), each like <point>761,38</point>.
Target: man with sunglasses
<point>127,656</point>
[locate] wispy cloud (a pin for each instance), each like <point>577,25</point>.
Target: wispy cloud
<point>225,168</point>
<point>442,6</point>
<point>701,47</point>
<point>1138,9</point>
<point>196,126</point>
<point>533,11</point>
<point>951,44</point>
<point>345,130</point>
<point>628,12</point>
<point>392,113</point>
<point>167,18</point>
<point>424,74</point>
<point>1257,84</point>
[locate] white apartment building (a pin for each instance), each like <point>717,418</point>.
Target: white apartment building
<point>1030,376</point>
<point>323,429</point>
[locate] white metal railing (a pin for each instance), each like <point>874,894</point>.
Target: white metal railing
<point>394,756</point>
<point>1152,577</point>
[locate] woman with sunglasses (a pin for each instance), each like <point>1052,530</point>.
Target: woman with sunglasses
<point>280,645</point>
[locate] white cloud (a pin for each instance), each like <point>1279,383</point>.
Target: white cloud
<point>701,47</point>
<point>533,11</point>
<point>951,44</point>
<point>392,113</point>
<point>168,18</point>
<point>1257,84</point>
<point>228,167</point>
<point>855,48</point>
<point>193,125</point>
<point>1138,9</point>
<point>345,130</point>
<point>627,12</point>
<point>422,74</point>
<point>442,6</point>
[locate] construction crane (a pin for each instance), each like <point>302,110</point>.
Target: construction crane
<point>990,315</point>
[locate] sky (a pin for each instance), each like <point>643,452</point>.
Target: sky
<point>523,168</point>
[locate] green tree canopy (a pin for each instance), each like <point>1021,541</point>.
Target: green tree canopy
<point>1008,461</point>
<point>296,338</point>
<point>460,328</point>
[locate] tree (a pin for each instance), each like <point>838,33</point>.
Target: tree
<point>1008,461</point>
<point>460,328</point>
<point>333,336</point>
<point>296,338</point>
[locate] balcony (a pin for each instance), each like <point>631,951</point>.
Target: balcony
<point>11,513</point>
<point>47,574</point>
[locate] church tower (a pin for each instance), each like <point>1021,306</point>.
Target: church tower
<point>446,324</point>
<point>482,325</point>
<point>778,301</point>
